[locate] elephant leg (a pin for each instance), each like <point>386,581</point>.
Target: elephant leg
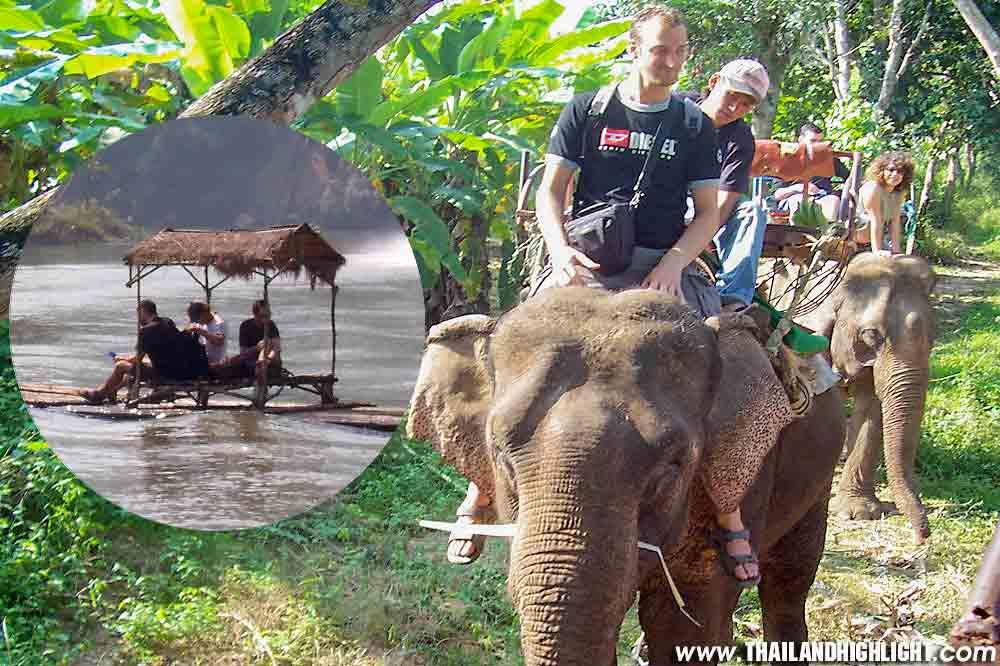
<point>666,627</point>
<point>856,493</point>
<point>788,571</point>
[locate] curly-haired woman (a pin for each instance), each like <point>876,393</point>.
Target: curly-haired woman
<point>882,194</point>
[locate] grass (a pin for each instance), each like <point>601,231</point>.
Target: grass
<point>973,229</point>
<point>356,582</point>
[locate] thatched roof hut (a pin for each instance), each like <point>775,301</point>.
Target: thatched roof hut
<point>242,252</point>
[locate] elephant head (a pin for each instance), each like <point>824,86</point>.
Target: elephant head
<point>883,323</point>
<point>586,416</point>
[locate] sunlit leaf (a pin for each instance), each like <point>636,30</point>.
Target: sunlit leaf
<point>431,64</point>
<point>421,101</point>
<point>83,136</point>
<point>232,30</point>
<point>484,45</point>
<point>60,12</point>
<point>21,85</point>
<point>16,114</point>
<point>549,53</point>
<point>21,20</point>
<point>104,59</point>
<point>358,96</point>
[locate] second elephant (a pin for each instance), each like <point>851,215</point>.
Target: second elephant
<point>881,327</point>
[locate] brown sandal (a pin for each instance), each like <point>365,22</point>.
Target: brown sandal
<point>720,537</point>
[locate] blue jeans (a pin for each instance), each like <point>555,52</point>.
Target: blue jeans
<point>739,243</point>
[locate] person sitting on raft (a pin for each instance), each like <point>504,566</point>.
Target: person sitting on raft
<point>173,356</point>
<point>210,328</point>
<point>260,347</point>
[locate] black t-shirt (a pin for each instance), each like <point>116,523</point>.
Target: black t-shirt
<point>174,354</point>
<point>737,146</point>
<point>251,333</point>
<point>613,154</point>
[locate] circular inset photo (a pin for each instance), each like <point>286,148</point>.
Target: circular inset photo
<point>217,323</point>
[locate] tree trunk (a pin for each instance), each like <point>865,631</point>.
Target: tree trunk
<point>842,41</point>
<point>915,44</point>
<point>970,165</point>
<point>983,31</point>
<point>925,191</point>
<point>950,182</point>
<point>891,75</point>
<point>301,67</point>
<point>831,58</point>
<point>776,63</point>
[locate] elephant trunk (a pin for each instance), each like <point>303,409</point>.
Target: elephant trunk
<point>902,388</point>
<point>572,579</point>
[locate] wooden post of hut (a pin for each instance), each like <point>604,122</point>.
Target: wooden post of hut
<point>327,390</point>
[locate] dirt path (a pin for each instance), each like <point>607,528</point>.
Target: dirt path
<point>960,287</point>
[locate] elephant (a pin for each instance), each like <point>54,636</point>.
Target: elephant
<point>597,420</point>
<point>881,327</point>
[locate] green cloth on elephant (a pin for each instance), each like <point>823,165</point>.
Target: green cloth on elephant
<point>698,291</point>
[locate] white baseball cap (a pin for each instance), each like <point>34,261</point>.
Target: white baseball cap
<point>746,76</point>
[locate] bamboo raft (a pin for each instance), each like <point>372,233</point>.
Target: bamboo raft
<point>349,413</point>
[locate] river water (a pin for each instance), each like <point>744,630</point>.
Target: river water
<point>217,469</point>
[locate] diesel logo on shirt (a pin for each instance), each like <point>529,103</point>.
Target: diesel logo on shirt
<point>622,140</point>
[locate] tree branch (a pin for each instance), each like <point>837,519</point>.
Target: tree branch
<point>280,84</point>
<point>908,58</point>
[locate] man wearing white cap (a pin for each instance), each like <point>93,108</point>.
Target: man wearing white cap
<point>734,91</point>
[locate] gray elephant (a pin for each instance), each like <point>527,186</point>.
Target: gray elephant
<point>881,327</point>
<point>597,420</point>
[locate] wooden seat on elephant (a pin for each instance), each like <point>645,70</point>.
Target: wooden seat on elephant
<point>801,162</point>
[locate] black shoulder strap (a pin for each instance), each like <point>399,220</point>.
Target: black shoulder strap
<point>598,105</point>
<point>646,175</point>
<point>692,118</point>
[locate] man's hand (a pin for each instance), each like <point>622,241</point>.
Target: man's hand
<point>666,277</point>
<point>566,264</point>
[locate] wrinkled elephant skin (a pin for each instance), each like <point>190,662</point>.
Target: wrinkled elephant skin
<point>881,325</point>
<point>594,420</point>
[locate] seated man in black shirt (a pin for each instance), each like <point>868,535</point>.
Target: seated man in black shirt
<point>821,189</point>
<point>173,355</point>
<point>260,347</point>
<point>733,92</point>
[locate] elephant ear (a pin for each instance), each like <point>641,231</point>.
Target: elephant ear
<point>453,394</point>
<point>749,411</point>
<point>914,268</point>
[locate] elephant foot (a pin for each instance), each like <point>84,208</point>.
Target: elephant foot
<point>865,508</point>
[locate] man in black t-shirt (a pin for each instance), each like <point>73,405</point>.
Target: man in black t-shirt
<point>173,355</point>
<point>734,91</point>
<point>608,151</point>
<point>260,347</point>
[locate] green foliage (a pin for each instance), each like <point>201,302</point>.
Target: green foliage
<point>51,531</point>
<point>960,449</point>
<point>440,117</point>
<point>809,214</point>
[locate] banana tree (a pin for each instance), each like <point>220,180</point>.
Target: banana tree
<point>439,119</point>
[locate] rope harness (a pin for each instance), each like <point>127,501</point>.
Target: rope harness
<point>509,530</point>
